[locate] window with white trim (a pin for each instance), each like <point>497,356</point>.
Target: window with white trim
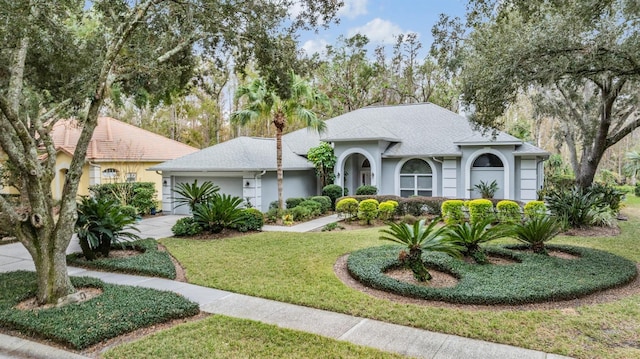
<point>416,179</point>
<point>110,173</point>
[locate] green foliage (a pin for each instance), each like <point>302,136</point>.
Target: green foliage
<point>452,211</point>
<point>508,212</point>
<point>536,231</point>
<point>348,207</point>
<point>130,211</point>
<point>419,238</point>
<point>334,192</point>
<point>273,214</point>
<point>331,226</point>
<point>118,310</point>
<point>325,203</point>
<point>577,207</point>
<point>387,209</point>
<point>419,205</point>
<point>185,227</point>
<point>471,234</point>
<point>636,191</point>
<point>324,161</point>
<point>610,194</point>
<point>300,213</point>
<point>408,219</point>
<point>366,190</point>
<point>251,219</point>
<point>368,210</point>
<point>220,212</point>
<point>534,209</point>
<point>293,202</point>
<point>194,194</point>
<point>140,195</point>
<point>486,190</point>
<point>480,210</point>
<point>101,223</point>
<point>149,262</point>
<point>534,279</point>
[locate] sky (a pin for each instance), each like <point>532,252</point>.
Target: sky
<point>382,20</point>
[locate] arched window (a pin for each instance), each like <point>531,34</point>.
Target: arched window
<point>416,179</point>
<point>110,173</point>
<point>488,160</point>
<point>366,164</point>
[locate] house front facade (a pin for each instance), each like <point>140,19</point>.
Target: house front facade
<point>405,150</point>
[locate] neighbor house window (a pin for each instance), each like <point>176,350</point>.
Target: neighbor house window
<point>488,160</point>
<point>131,176</point>
<point>416,179</point>
<point>110,173</point>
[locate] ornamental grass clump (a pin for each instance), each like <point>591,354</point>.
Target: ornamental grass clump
<point>536,231</point>
<point>419,238</point>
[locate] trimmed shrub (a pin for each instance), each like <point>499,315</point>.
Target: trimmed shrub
<point>138,194</point>
<point>419,205</point>
<point>387,209</point>
<point>325,203</point>
<point>508,212</point>
<point>366,190</point>
<point>480,210</point>
<point>368,210</point>
<point>273,205</point>
<point>186,227</point>
<point>535,209</point>
<point>251,219</point>
<point>334,192</point>
<point>293,202</point>
<point>348,207</point>
<point>129,211</point>
<point>315,208</point>
<point>273,214</point>
<point>452,211</point>
<point>300,213</point>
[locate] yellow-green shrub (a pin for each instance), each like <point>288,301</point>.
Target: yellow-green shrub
<point>452,211</point>
<point>348,207</point>
<point>535,209</point>
<point>480,210</point>
<point>368,210</point>
<point>386,209</point>
<point>508,212</point>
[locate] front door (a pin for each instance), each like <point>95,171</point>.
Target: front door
<point>365,177</point>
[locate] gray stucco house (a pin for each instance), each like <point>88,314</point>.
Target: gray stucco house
<point>414,149</point>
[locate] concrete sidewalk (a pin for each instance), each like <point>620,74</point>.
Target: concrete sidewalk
<point>388,337</point>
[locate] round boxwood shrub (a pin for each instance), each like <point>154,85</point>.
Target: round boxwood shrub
<point>536,278</point>
<point>315,208</point>
<point>293,202</point>
<point>508,212</point>
<point>334,192</point>
<point>325,203</point>
<point>480,209</point>
<point>452,211</point>
<point>535,209</point>
<point>251,219</point>
<point>185,227</point>
<point>368,210</point>
<point>348,207</point>
<point>366,190</point>
<point>387,209</point>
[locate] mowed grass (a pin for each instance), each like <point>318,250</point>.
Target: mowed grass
<point>224,337</point>
<point>298,268</point>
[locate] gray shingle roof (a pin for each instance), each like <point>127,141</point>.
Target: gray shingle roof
<point>238,154</point>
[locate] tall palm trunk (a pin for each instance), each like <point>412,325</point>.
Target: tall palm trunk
<point>279,121</point>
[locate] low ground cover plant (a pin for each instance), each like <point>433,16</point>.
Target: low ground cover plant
<point>150,261</point>
<point>118,310</point>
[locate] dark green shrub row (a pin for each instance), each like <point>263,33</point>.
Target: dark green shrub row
<point>366,190</point>
<point>300,209</point>
<point>118,310</point>
<point>151,261</point>
<point>140,195</point>
<point>415,206</point>
<point>537,278</point>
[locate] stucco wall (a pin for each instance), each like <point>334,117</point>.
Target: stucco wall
<point>295,184</point>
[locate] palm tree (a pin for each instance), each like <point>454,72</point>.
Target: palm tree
<point>419,238</point>
<point>536,231</point>
<point>264,104</point>
<point>632,165</point>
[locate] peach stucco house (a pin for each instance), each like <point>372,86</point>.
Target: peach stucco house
<point>118,152</point>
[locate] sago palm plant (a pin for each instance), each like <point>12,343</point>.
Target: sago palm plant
<point>419,238</point>
<point>193,194</point>
<point>536,231</point>
<point>471,235</point>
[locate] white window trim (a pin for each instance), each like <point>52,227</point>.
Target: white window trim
<point>506,168</point>
<point>435,190</point>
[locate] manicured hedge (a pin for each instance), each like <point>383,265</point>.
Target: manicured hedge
<point>416,206</point>
<point>118,310</point>
<point>537,278</point>
<point>151,262</point>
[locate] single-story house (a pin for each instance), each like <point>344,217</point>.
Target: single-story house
<point>118,152</point>
<point>415,149</point>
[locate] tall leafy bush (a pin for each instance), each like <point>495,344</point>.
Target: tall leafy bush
<point>452,211</point>
<point>334,192</point>
<point>348,207</point>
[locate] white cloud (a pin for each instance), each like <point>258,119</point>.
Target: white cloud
<point>315,47</point>
<point>378,31</point>
<point>353,8</point>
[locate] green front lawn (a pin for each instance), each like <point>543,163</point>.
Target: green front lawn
<point>298,268</point>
